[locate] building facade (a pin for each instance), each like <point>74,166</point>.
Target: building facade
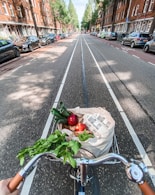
<point>131,15</point>
<point>27,17</point>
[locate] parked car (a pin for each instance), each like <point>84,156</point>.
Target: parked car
<point>121,35</point>
<point>99,34</point>
<point>62,35</point>
<point>136,39</point>
<point>47,38</point>
<point>103,34</point>
<point>28,43</point>
<point>111,36</point>
<point>8,50</point>
<point>150,45</point>
<point>94,33</point>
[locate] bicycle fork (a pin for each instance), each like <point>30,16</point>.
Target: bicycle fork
<point>81,179</point>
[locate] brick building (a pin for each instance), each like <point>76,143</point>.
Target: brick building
<point>131,15</point>
<point>16,18</point>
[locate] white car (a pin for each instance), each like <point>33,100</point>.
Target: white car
<point>150,46</point>
<point>99,34</point>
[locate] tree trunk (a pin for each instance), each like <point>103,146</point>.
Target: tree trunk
<point>34,20</point>
<point>114,14</point>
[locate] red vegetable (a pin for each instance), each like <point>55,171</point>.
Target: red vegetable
<point>80,127</point>
<point>72,119</point>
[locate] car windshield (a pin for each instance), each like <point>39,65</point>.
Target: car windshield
<point>51,34</point>
<point>3,42</point>
<point>144,35</point>
<point>23,39</point>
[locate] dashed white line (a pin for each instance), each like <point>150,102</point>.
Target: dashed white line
<point>151,63</point>
<point>136,56</point>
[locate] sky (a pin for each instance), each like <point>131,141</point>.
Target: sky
<point>80,6</point>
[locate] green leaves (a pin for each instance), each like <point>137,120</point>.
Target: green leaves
<point>60,114</point>
<point>84,136</point>
<point>55,143</point>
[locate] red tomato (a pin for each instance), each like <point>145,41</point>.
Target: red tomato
<point>80,127</point>
<point>72,120</point>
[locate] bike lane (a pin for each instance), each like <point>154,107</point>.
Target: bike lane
<point>135,52</point>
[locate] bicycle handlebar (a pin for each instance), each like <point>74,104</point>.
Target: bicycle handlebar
<point>135,171</point>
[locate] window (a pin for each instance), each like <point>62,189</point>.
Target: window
<point>11,10</point>
<point>33,3</point>
<point>146,6</point>
<point>30,15</point>
<point>5,8</point>
<point>27,14</point>
<point>151,5</point>
<point>133,11</point>
<point>123,14</point>
<point>136,10</point>
<point>36,17</point>
<point>19,12</point>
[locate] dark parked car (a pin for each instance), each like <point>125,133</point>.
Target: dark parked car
<point>111,35</point>
<point>121,35</point>
<point>28,43</point>
<point>62,35</point>
<point>47,39</point>
<point>136,39</point>
<point>150,46</point>
<point>8,50</point>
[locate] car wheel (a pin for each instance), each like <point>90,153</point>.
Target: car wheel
<point>48,42</point>
<point>122,42</point>
<point>146,48</point>
<point>30,48</point>
<point>17,53</point>
<point>132,45</point>
<point>39,45</point>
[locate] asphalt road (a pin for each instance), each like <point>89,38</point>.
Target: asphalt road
<point>32,86</point>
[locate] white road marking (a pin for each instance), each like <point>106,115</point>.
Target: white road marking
<point>28,181</point>
<point>135,56</point>
<point>14,70</point>
<point>124,51</point>
<point>151,63</point>
<point>134,136</point>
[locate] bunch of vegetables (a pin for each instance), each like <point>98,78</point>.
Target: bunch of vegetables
<point>55,143</point>
<point>62,115</point>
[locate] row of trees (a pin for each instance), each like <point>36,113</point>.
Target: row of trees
<point>91,13</point>
<point>64,15</point>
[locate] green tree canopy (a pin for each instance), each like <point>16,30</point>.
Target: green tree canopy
<point>73,15</point>
<point>60,11</point>
<point>87,16</point>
